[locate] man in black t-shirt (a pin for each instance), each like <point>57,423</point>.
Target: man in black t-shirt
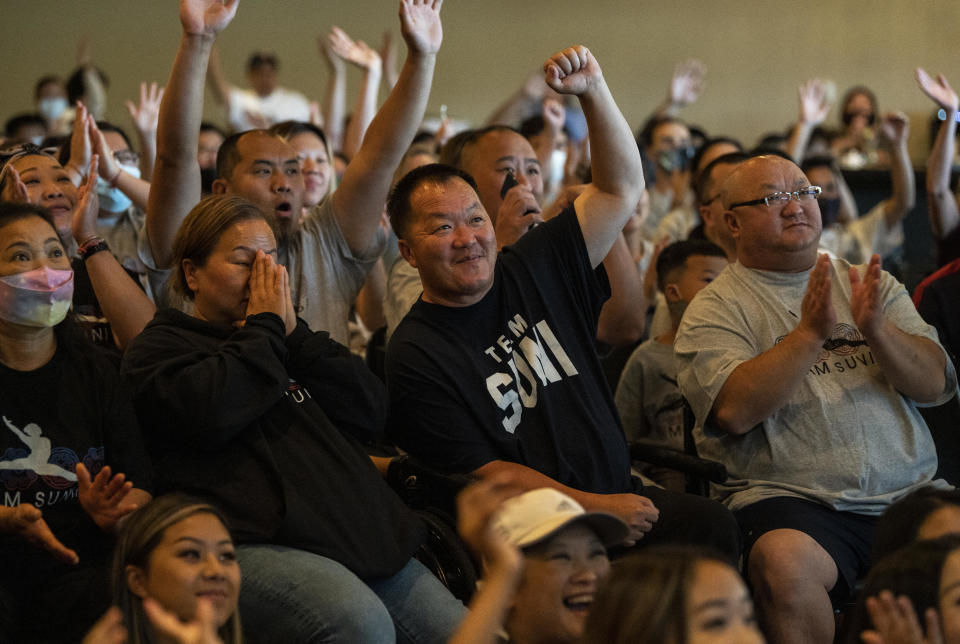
<point>494,370</point>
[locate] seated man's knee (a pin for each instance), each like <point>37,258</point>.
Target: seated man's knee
<point>789,563</point>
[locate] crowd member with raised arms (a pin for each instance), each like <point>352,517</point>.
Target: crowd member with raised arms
<point>494,368</point>
<point>118,307</point>
<point>803,374</point>
<point>68,443</point>
<point>247,407</point>
<point>329,254</point>
<point>942,203</point>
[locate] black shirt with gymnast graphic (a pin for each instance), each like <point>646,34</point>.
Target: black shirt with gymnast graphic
<point>514,377</point>
<point>72,409</point>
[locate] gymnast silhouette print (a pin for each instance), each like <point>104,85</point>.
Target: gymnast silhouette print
<point>40,451</point>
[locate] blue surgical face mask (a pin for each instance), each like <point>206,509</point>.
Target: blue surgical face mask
<point>52,108</point>
<point>113,199</point>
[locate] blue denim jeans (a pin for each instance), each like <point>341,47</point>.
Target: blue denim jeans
<point>291,595</point>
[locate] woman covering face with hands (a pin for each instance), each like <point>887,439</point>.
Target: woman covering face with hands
<point>246,406</point>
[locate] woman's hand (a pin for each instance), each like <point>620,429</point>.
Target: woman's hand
<point>26,521</point>
<point>88,205</point>
<point>200,630</point>
<point>270,290</point>
<point>103,497</point>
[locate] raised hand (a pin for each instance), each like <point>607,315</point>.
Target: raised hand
<point>518,213</point>
<point>896,127</point>
<point>938,90</point>
<point>80,145</point>
<point>895,622</point>
<point>687,82</point>
<point>84,223</point>
<point>206,17</point>
<point>553,115</point>
<point>147,111</point>
<point>328,51</point>
<point>26,522</point>
<point>102,498</point>
<point>20,194</point>
<point>202,629</point>
<point>420,25</point>
<point>817,316</point>
<point>356,52</point>
<point>572,71</point>
<point>109,629</point>
<point>815,102</point>
<point>107,166</point>
<point>865,305</point>
<point>477,506</point>
<point>270,290</point>
<point>316,116</point>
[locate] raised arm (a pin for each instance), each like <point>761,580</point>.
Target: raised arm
<point>605,206</point>
<point>364,57</point>
<point>944,214</point>
<point>335,95</point>
<point>358,201</point>
<point>144,115</point>
<point>685,87</point>
<point>896,128</point>
<point>135,188</point>
<point>175,187</point>
<point>217,80</point>
<point>124,304</point>
<point>815,104</point>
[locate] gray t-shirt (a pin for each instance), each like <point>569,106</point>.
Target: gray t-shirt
<point>325,276</point>
<point>648,399</point>
<point>403,290</point>
<point>845,437</point>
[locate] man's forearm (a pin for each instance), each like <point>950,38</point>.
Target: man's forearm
<point>175,188</point>
<point>759,387</point>
<point>913,364</point>
<point>526,478</point>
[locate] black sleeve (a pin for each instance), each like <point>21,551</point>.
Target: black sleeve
<point>351,396</point>
<point>124,449</point>
<point>205,395</point>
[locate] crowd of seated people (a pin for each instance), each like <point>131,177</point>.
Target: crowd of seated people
<point>193,448</point>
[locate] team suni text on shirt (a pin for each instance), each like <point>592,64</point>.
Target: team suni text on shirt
<point>530,358</point>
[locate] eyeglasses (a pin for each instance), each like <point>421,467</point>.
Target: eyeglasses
<point>803,194</point>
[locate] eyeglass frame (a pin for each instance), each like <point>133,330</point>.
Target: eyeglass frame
<point>777,197</point>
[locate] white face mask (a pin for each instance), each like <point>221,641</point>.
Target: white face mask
<point>37,298</point>
<point>113,199</point>
<point>52,108</point>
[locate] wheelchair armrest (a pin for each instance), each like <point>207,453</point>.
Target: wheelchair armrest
<point>676,460</point>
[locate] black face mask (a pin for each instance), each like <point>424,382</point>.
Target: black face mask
<point>829,210</point>
<point>207,177</point>
<point>676,160</point>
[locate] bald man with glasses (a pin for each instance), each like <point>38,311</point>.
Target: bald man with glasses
<point>804,374</point>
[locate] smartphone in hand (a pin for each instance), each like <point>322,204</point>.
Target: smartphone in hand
<point>508,182</point>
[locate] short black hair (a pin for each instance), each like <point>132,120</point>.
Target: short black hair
<point>899,524</point>
<point>709,143</point>
<point>819,161</point>
<point>452,154</point>
<point>228,156</point>
<point>645,135</point>
<point>398,204</point>
<point>676,255</point>
<point>77,88</point>
<point>262,58</point>
<point>43,82</point>
<point>703,180</point>
<point>289,129</point>
<point>18,121</point>
<point>207,126</point>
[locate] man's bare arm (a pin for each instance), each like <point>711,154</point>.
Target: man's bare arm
<point>607,203</point>
<point>896,128</point>
<point>175,187</point>
<point>358,201</point>
<point>624,316</point>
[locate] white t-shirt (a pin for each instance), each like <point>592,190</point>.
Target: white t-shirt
<point>281,105</point>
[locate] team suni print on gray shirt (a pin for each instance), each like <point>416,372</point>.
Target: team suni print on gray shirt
<point>846,437</point>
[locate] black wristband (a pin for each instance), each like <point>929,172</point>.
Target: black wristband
<point>86,252</point>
